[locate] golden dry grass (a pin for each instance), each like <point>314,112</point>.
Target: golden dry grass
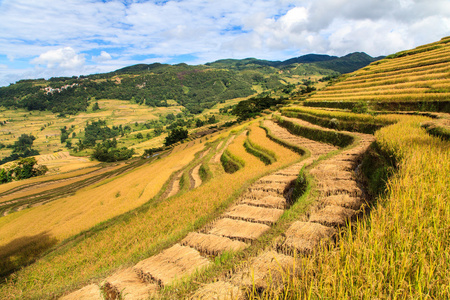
<point>415,77</point>
<point>132,240</point>
<point>68,216</point>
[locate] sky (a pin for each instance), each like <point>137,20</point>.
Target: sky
<point>48,38</point>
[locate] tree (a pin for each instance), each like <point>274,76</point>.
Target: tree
<point>95,106</point>
<point>139,136</point>
<point>24,143</point>
<point>176,135</point>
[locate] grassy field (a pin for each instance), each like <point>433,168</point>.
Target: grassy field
<point>65,217</point>
<point>140,234</point>
<point>400,250</point>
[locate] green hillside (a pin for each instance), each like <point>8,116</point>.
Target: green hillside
<point>159,85</point>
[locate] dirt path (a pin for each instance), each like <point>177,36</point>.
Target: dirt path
<point>216,158</point>
<point>195,177</point>
<point>258,208</point>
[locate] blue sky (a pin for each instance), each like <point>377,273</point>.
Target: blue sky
<point>48,38</point>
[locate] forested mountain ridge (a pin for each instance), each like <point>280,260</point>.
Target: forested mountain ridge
<point>194,87</point>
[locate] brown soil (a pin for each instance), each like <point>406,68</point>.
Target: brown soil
<point>195,175</point>
<point>216,158</point>
<point>174,186</point>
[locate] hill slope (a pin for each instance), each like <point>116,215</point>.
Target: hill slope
<point>159,85</point>
<point>415,79</point>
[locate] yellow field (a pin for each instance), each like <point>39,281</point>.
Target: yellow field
<point>143,234</point>
<point>68,216</point>
<point>401,249</point>
<point>416,76</point>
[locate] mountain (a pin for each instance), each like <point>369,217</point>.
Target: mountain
<point>194,87</point>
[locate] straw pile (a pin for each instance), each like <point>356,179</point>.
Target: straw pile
<point>126,282</point>
<point>343,200</point>
<point>173,263</point>
<point>211,244</point>
<point>272,189</point>
<point>89,292</point>
<point>237,229</point>
<point>219,290</point>
<point>305,236</point>
<point>255,214</point>
<point>335,187</point>
<point>276,179</point>
<point>268,201</point>
<point>265,269</point>
<point>332,215</point>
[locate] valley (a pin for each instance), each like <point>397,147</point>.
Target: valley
<point>335,187</point>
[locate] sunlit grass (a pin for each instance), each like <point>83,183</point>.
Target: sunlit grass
<point>400,250</point>
<point>143,234</point>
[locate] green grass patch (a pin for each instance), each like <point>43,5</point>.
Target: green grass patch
<point>265,155</point>
<point>230,162</point>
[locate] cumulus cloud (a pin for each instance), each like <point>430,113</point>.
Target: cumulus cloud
<point>46,32</point>
<point>64,58</point>
<point>104,56</point>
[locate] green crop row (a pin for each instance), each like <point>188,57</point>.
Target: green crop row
<point>265,155</point>
<point>230,162</point>
<point>326,136</point>
<point>283,143</point>
<point>335,123</point>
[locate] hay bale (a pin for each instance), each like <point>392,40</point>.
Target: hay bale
<point>171,264</point>
<point>268,201</point>
<point>219,290</point>
<point>267,269</point>
<point>210,244</point>
<point>332,174</point>
<point>334,165</point>
<point>237,229</point>
<point>344,200</point>
<point>255,214</point>
<point>332,215</point>
<point>282,179</point>
<point>305,236</point>
<point>275,189</point>
<point>89,292</point>
<point>125,284</point>
<point>336,187</point>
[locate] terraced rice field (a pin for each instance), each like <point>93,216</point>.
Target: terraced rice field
<point>415,76</point>
<point>255,211</point>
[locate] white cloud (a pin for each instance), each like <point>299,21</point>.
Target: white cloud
<point>64,58</point>
<point>46,32</point>
<point>104,56</point>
